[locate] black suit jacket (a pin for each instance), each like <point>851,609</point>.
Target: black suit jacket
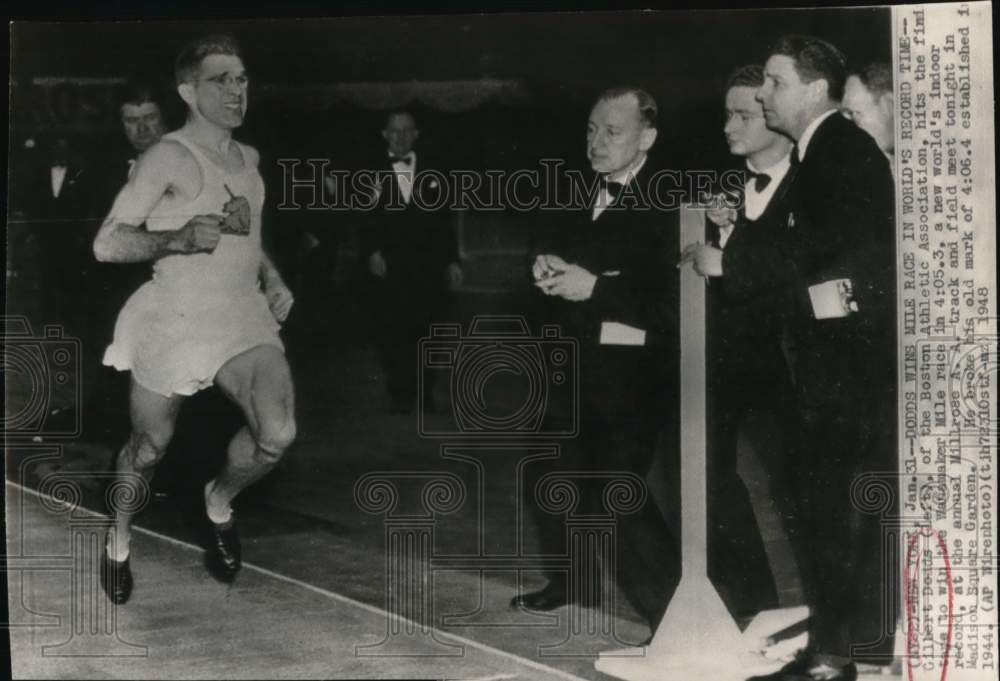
<point>113,174</point>
<point>75,203</point>
<point>633,249</point>
<point>746,321</point>
<point>841,224</point>
<point>417,239</point>
<point>65,225</point>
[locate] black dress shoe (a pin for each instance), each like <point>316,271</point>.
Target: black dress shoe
<point>848,672</point>
<point>806,668</point>
<point>224,551</point>
<point>796,669</point>
<point>116,579</point>
<point>552,596</point>
<point>549,598</point>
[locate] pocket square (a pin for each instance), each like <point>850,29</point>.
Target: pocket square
<point>832,299</point>
<point>616,333</point>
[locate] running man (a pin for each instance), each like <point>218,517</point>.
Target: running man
<point>212,310</point>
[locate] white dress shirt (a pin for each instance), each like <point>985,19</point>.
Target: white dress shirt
<point>755,202</point>
<point>58,175</point>
<point>622,177</point>
<point>404,175</point>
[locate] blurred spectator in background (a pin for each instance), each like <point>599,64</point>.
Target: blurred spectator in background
<point>142,116</point>
<point>57,209</point>
<point>58,206</point>
<point>410,250</point>
<point>143,121</point>
<point>868,101</point>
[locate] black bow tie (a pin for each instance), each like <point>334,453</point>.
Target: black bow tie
<point>400,159</point>
<point>613,188</point>
<point>760,181</point>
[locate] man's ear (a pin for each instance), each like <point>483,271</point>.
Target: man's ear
<point>646,138</point>
<point>186,91</point>
<point>887,103</point>
<point>818,90</point>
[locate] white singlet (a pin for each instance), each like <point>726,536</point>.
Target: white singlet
<point>201,309</point>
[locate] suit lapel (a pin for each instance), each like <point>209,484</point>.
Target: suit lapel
<point>777,201</point>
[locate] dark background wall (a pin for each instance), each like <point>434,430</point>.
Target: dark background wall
<point>561,61</point>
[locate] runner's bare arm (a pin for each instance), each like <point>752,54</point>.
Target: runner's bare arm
<point>268,272</point>
<point>123,236</point>
<point>279,297</point>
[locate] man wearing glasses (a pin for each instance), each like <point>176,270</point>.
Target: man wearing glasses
<point>750,385</point>
<point>212,311</point>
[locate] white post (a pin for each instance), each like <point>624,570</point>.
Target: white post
<point>698,638</point>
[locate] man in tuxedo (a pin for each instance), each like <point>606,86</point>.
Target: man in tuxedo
<point>868,101</point>
<point>409,246</point>
<point>614,282</point>
<point>60,208</point>
<point>838,262</point>
<point>143,122</point>
<point>749,381</point>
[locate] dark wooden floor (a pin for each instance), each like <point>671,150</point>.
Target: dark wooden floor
<point>181,623</point>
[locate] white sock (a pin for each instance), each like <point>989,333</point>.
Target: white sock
<point>217,516</point>
<point>120,552</point>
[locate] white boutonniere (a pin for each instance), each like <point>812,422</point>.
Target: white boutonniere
<point>791,220</point>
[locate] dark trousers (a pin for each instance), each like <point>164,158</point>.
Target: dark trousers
<point>737,562</point>
<point>647,556</point>
<point>844,540</point>
<point>402,311</point>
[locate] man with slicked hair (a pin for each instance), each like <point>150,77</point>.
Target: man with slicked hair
<point>749,380</point>
<point>211,313</point>
<point>613,281</point>
<point>838,262</point>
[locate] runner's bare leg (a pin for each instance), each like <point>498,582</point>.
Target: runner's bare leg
<point>259,381</point>
<point>153,419</point>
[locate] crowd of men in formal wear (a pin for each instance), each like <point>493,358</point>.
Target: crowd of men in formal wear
<point>801,271</point>
<point>800,267</point>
